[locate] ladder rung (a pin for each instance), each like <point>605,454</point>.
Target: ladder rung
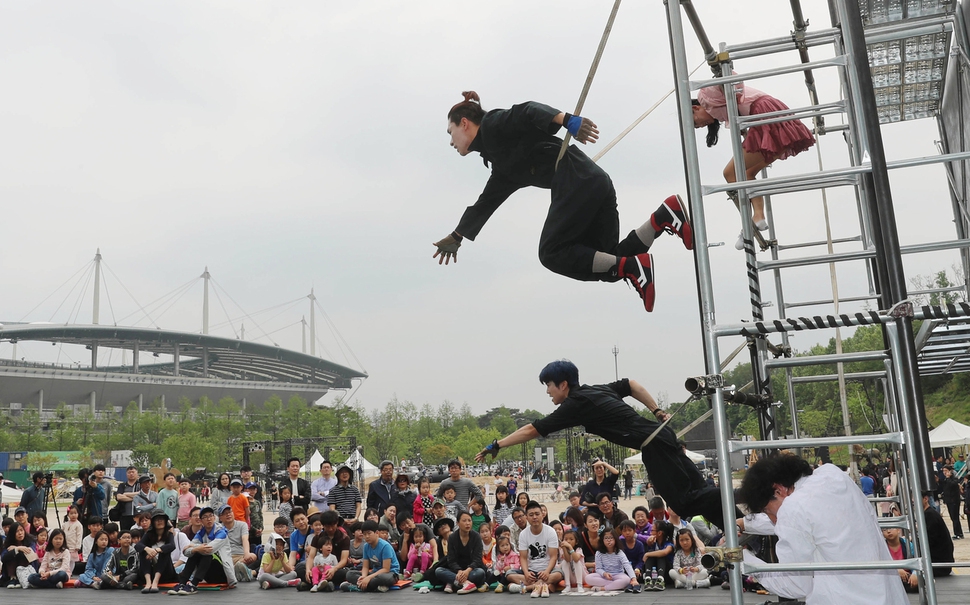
<point>831,377</point>
<point>804,261</point>
<point>840,240</point>
<point>826,176</point>
<point>900,522</point>
<point>741,446</point>
<point>817,360</point>
<point>842,566</point>
<point>807,185</point>
<point>839,61</point>
<point>812,303</point>
<point>786,115</point>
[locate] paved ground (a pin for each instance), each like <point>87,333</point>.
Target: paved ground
<point>951,591</point>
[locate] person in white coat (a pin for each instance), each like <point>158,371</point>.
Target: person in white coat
<point>801,503</point>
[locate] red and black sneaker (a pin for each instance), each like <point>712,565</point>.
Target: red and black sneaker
<point>639,270</point>
<point>670,217</point>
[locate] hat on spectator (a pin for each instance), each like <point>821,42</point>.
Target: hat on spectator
<point>250,484</point>
<point>443,521</point>
<point>342,468</point>
<point>402,477</point>
<point>223,509</point>
<point>20,509</point>
<point>437,502</point>
<point>145,478</point>
<point>159,513</point>
<point>206,509</point>
<point>235,481</point>
<point>273,537</point>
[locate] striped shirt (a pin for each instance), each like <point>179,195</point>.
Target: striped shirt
<point>345,498</point>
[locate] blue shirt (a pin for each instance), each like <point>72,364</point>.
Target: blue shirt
<point>376,555</point>
<point>298,542</point>
<point>868,485</point>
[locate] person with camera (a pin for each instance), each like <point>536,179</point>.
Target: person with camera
<point>89,495</point>
<point>32,499</point>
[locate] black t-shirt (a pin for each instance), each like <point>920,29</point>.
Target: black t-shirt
<point>340,542</point>
<point>592,489</point>
<point>602,411</point>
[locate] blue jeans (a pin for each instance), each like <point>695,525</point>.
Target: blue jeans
<point>446,576</point>
<point>35,581</point>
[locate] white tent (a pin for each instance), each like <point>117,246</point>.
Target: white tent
<point>949,434</point>
<point>11,496</point>
<point>636,459</point>
<point>313,464</point>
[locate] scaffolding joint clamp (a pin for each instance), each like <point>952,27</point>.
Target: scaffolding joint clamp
<point>700,386</point>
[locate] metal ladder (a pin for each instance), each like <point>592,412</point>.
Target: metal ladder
<point>881,252</point>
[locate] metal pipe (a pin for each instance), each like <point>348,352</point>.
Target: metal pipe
<point>911,446</point>
<point>838,240</point>
<point>841,566</point>
<point>741,446</point>
<point>822,178</point>
<point>767,73</point>
<point>695,23</point>
<point>861,254</point>
<point>787,115</point>
<point>702,267</point>
<point>817,38</point>
<point>831,377</point>
<point>817,360</point>
<point>813,303</point>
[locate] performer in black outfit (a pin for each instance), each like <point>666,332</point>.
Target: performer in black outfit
<point>951,497</point>
<point>602,411</point>
<point>582,230</point>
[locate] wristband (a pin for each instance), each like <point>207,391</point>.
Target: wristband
<point>572,124</point>
<point>493,447</point>
<point>457,238</point>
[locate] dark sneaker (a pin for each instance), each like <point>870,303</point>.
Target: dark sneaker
<point>639,270</point>
<point>188,589</point>
<point>659,584</point>
<point>175,589</point>
<point>670,217</point>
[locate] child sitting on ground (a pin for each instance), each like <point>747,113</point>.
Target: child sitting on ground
<point>687,567</point>
<point>420,555</point>
<point>122,569</point>
<point>322,563</point>
<point>573,565</point>
<point>613,570</point>
<point>55,568</point>
<point>506,560</point>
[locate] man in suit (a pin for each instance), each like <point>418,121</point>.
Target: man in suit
<point>299,486</point>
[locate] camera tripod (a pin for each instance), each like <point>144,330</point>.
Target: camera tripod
<point>50,496</point>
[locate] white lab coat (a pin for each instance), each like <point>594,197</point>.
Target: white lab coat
<point>828,519</point>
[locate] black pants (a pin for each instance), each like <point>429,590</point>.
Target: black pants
<point>162,564</point>
<point>582,220</point>
<point>201,566</point>
<point>679,482</point>
<point>953,507</point>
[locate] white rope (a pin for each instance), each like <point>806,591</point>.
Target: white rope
<point>589,78</point>
<point>636,122</point>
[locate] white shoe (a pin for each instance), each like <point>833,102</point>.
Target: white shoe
<point>680,584</point>
<point>536,592</point>
<point>515,588</point>
<point>762,225</point>
<point>566,590</point>
<point>739,245</point>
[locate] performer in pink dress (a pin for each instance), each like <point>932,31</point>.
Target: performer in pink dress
<point>763,144</point>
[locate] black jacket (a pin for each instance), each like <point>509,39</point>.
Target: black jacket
<point>520,145</point>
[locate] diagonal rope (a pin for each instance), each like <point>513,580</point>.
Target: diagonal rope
<point>636,122</point>
<point>589,78</point>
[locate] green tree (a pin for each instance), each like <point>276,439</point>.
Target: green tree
<point>437,453</point>
<point>39,462</point>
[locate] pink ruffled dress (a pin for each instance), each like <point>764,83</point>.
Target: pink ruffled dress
<point>776,141</point>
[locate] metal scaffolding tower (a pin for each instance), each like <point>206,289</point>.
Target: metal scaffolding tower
<point>892,60</point>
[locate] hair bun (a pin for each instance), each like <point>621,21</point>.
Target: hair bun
<point>471,95</point>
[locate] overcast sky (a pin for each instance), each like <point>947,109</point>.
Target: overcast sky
<point>302,144</point>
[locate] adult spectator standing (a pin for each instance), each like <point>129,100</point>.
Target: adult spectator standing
<point>800,501</point>
<point>246,474</point>
<point>600,483</point>
<point>381,491</point>
<point>345,497</point>
<point>957,466</point>
<point>951,497</point>
<point>628,484</point>
<point>941,546</point>
<point>105,484</point>
<point>146,499</point>
<point>32,500</point>
<point>321,487</point>
<point>610,516</point>
<point>404,496</point>
<point>125,496</point>
<point>602,411</point>
<point>465,489</point>
<point>299,486</point>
